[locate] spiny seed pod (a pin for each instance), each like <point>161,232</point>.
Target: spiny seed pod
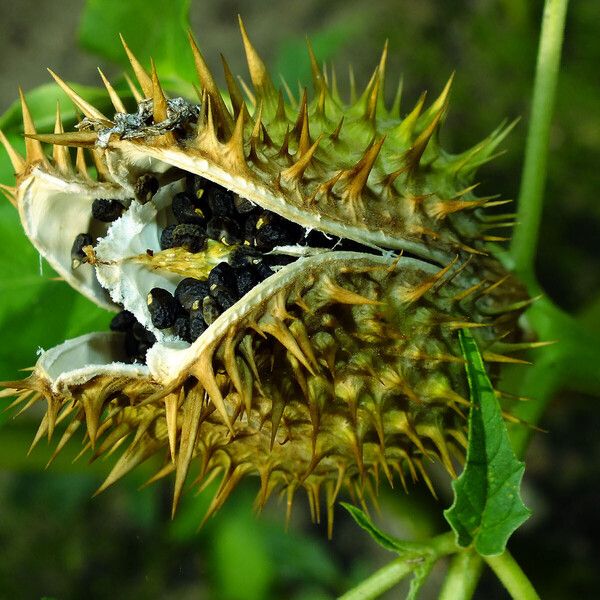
<point>329,355</point>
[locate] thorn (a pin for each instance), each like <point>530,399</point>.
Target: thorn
<point>395,110</point>
<point>72,427</point>
<point>412,294</point>
<point>33,148</point>
<point>441,102</point>
<point>228,483</point>
<point>85,107</point>
<point>208,83</point>
<point>114,97</point>
<point>280,116</point>
<point>359,174</point>
<point>500,358</point>
<point>291,490</point>
<point>288,91</point>
<point>102,171</point>
<point>235,93</point>
<point>333,292</point>
<point>204,373</point>
<point>17,161</point>
<point>135,454</point>
<point>141,74</point>
<point>521,346</point>
<point>336,132</point>
<point>415,153</point>
<point>172,401</point>
<point>352,82</point>
<point>235,144</point>
<point>60,153</point>
<point>372,99</point>
<point>258,72</point>
<point>134,91</point>
<point>278,329</point>
<point>277,407</point>
<point>462,295</point>
<point>10,194</point>
<point>249,94</point>
<point>301,127</point>
<point>81,165</point>
<point>192,410</point>
<point>405,129</point>
<point>296,171</point>
<point>319,84</point>
<point>382,69</point>
<point>159,102</point>
<point>83,139</point>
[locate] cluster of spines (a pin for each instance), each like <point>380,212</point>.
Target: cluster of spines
<point>218,122</point>
<point>225,132</point>
<point>151,414</point>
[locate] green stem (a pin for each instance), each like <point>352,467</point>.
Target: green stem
<point>524,242</point>
<point>462,577</point>
<point>389,575</point>
<point>381,581</point>
<point>511,575</point>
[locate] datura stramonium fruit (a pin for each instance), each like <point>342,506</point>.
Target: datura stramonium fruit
<point>291,275</point>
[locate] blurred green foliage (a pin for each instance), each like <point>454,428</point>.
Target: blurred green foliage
<point>62,544</point>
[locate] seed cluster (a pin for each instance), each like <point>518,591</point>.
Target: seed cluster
<point>206,211</point>
<point>203,211</point>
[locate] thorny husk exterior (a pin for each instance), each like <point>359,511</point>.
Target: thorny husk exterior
<point>338,371</point>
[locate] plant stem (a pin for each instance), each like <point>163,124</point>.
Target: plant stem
<point>462,577</point>
<point>389,575</point>
<point>512,576</point>
<point>524,242</point>
<point>381,581</point>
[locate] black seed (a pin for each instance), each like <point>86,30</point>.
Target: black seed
<point>210,310</point>
<point>273,230</point>
<point>145,187</point>
<point>122,321</point>
<point>190,237</point>
<point>249,228</point>
<point>225,297</point>
<point>77,254</point>
<point>223,229</point>
<point>186,210</point>
<point>189,290</point>
<point>141,334</point>
<point>166,237</point>
<point>242,256</point>
<point>163,308</point>
<point>243,206</point>
<point>131,346</point>
<point>107,210</point>
<point>222,275</point>
<point>263,270</point>
<point>197,326</point>
<point>195,185</point>
<point>182,328</point>
<point>246,279</point>
<point>220,201</point>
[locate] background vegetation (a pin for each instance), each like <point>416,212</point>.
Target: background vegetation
<point>60,543</point>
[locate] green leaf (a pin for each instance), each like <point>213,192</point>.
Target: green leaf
<point>383,539</point>
<point>487,505</point>
<point>152,28</point>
